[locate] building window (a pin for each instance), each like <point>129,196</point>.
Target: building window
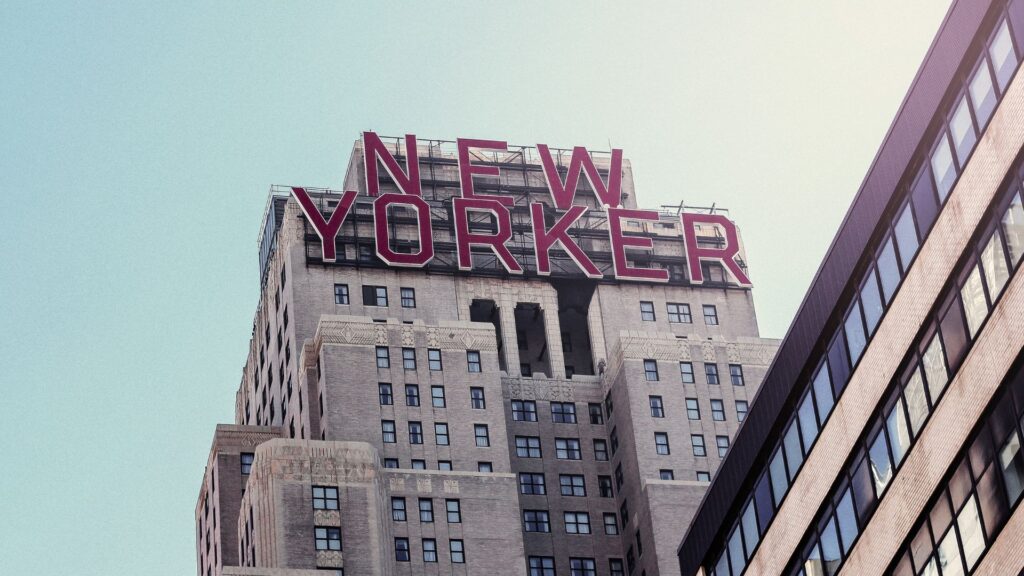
<point>412,395</point>
<point>247,458</point>
<point>567,449</point>
<point>563,412</point>
<point>441,433</point>
<point>710,315</point>
<point>679,313</point>
<point>444,465</point>
<point>615,567</point>
<point>391,462</point>
<point>375,296</point>
<point>604,486</point>
<point>572,485</point>
<point>426,510</point>
<point>408,298</point>
<point>384,393</point>
<point>476,398</point>
<point>409,358</point>
<point>418,464</point>
<point>596,415</point>
<point>536,521</point>
<point>697,441</point>
<point>327,538</point>
<point>736,374</point>
<point>528,447</point>
<point>401,549</point>
<point>453,510</point>
<point>600,450</point>
<point>429,550</point>
<point>741,410</point>
<point>525,370</point>
<point>437,396</point>
<point>661,443</point>
<point>582,566</point>
<point>473,360</point>
<point>711,371</point>
<point>666,475</point>
<point>415,433</point>
<point>611,524</point>
<point>703,476</point>
<point>398,509</point>
<point>686,372</point>
<point>542,566</point>
<point>434,360</point>
<point>717,411</point>
<point>657,408</point>
<point>341,293</point>
<point>620,478</point>
<point>383,358</point>
<point>723,445</point>
<point>531,483</point>
<point>483,440</point>
<point>458,551</point>
<point>647,311</point>
<point>484,467</point>
<point>577,522</point>
<point>524,411</point>
<point>692,409</point>
<point>325,498</point>
<point>615,439</point>
<point>651,370</point>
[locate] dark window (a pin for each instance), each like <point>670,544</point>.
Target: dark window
<point>384,392</point>
<point>409,358</point>
<point>391,462</point>
<point>536,521</point>
<point>679,313</point>
<point>437,396</point>
<point>600,450</point>
<point>647,311</point>
<point>525,370</point>
<point>482,438</point>
<point>484,467</point>
<point>434,360</point>
<point>398,509</point>
<point>247,458</point>
<point>572,485</point>
<point>604,486</point>
<point>325,498</point>
<point>542,565</point>
<point>718,410</point>
<point>524,411</point>
<point>327,538</point>
<point>375,296</point>
<point>741,410</point>
<point>383,358</point>
<point>710,315</point>
<point>686,372</point>
<point>415,433</point>
<point>426,510</point>
<point>408,298</point>
<point>666,474</point>
<point>473,360</point>
<point>657,408</point>
<point>476,397</point>
<point>531,483</point>
<point>661,443</point>
<point>528,447</point>
<point>596,416</point>
<point>401,549</point>
<point>412,395</point>
<point>711,371</point>
<point>651,370</point>
<point>563,412</point>
<point>341,293</point>
<point>736,374</point>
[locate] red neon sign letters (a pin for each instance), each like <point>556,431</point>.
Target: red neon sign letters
<point>546,236</point>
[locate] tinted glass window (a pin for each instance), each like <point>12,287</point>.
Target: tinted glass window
<point>943,170</point>
<point>962,129</point>
<point>871,301</point>
<point>888,270</point>
<point>983,94</point>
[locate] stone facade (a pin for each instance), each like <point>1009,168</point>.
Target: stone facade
<point>455,390</point>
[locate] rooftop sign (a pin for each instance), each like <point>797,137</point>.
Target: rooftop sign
<point>545,237</point>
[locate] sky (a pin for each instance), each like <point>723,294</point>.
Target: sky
<point>138,142</point>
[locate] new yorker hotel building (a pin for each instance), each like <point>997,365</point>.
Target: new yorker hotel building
<point>887,435</point>
<point>480,360</point>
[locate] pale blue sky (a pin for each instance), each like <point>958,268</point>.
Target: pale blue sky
<point>137,144</point>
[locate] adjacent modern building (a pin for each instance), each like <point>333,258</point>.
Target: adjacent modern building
<point>449,414</point>
<point>886,438</point>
